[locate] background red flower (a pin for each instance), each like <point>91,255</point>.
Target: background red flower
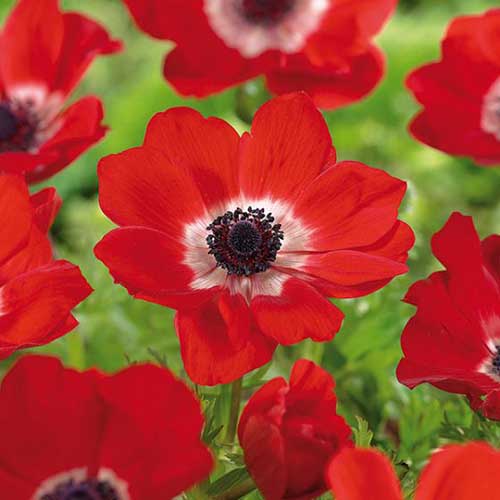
<point>44,55</point>
<point>458,472</point>
<point>246,237</point>
<point>461,92</point>
<point>453,341</point>
<point>289,432</point>
<point>135,434</point>
<point>321,46</point>
<point>37,293</point>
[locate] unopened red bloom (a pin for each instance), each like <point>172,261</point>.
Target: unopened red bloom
<point>458,472</point>
<point>321,46</point>
<point>247,236</point>
<point>37,293</point>
<point>290,431</point>
<point>44,55</point>
<point>69,435</point>
<point>453,341</point>
<point>461,92</point>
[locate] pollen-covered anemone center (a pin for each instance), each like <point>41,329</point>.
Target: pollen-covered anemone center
<point>17,129</point>
<point>244,242</point>
<point>490,118</point>
<point>495,362</point>
<point>89,489</point>
<point>266,11</point>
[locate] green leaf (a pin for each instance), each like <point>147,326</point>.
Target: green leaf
<point>362,435</point>
<point>229,480</point>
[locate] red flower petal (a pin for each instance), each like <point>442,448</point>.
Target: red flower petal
<point>350,205</point>
<point>15,215</point>
<point>127,179</point>
<point>84,39</point>
<point>46,204</point>
<point>35,304</point>
<point>43,46</point>
<point>462,472</point>
<point>168,19</point>
<point>30,44</point>
<point>149,399</point>
<point>329,86</point>
<point>37,430</point>
<point>470,285</point>
<point>148,263</point>
<point>207,147</point>
<point>210,354</point>
<point>81,128</point>
<point>264,456</point>
<point>358,474</point>
<point>299,312</point>
<point>287,134</point>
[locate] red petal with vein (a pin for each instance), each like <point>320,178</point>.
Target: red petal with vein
<point>208,147</point>
<point>287,133</point>
<point>299,312</point>
<point>210,354</point>
<point>33,305</point>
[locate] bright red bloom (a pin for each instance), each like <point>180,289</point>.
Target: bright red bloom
<point>289,432</point>
<point>461,92</point>
<point>44,55</point>
<point>453,341</point>
<point>247,236</point>
<point>130,436</point>
<point>37,293</point>
<point>321,46</point>
<point>456,472</point>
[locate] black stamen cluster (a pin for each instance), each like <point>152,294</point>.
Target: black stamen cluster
<point>244,242</point>
<point>266,11</point>
<point>495,363</point>
<point>90,489</point>
<point>17,128</point>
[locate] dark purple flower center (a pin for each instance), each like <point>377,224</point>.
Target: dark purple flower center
<point>244,242</point>
<point>495,363</point>
<point>89,489</point>
<point>17,129</point>
<point>266,11</point>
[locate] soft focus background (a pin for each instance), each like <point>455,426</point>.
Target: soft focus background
<point>116,330</point>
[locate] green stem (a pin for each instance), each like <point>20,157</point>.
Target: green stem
<point>234,410</point>
<point>238,491</point>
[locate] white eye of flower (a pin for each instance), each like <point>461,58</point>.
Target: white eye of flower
<point>255,26</point>
<point>490,119</point>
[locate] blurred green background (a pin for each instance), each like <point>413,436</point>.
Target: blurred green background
<point>116,330</point>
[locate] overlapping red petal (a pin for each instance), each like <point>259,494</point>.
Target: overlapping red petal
<point>289,432</point>
<point>453,90</point>
<point>337,64</point>
<point>451,341</point>
<point>342,237</point>
<point>37,293</point>
<point>87,420</point>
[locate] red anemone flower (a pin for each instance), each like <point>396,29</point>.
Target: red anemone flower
<point>37,293</point>
<point>44,55</point>
<point>246,237</point>
<point>321,46</point>
<point>461,92</point>
<point>453,341</point>
<point>69,435</point>
<point>455,472</point>
<point>289,432</point>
